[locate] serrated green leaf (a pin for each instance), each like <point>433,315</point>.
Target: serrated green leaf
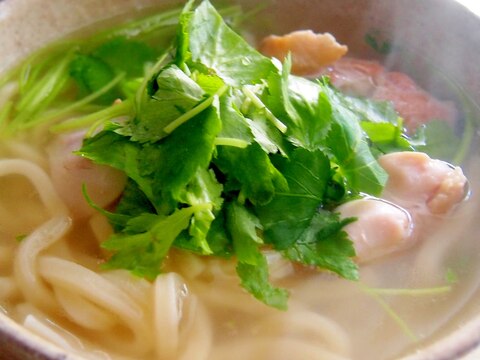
<point>326,245</point>
<point>252,168</point>
<point>290,212</point>
<point>215,46</point>
<point>143,253</point>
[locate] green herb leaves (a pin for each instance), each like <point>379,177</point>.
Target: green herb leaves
<point>228,155</point>
<point>148,235</point>
<point>213,45</point>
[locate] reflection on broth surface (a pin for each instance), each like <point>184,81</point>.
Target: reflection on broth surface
<point>169,192</point>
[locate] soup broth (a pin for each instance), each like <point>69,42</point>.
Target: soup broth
<point>53,278</point>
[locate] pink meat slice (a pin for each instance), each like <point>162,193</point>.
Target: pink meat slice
<point>369,79</point>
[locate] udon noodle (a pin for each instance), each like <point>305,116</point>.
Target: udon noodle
<point>196,310</point>
<point>52,282</point>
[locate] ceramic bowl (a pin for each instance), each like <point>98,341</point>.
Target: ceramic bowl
<point>442,30</point>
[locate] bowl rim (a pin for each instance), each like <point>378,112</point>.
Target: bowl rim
<point>459,343</point>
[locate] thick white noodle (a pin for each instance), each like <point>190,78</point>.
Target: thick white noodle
<point>39,179</point>
<point>52,333</point>
<point>170,295</point>
<point>26,273</point>
<point>83,312</point>
<point>139,289</point>
<point>54,330</point>
<point>93,287</point>
<point>62,338</point>
<point>181,323</point>
<point>22,150</point>
<point>197,339</point>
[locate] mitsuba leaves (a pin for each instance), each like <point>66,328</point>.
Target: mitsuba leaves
<point>218,240</point>
<point>265,134</point>
<point>163,169</point>
<point>211,84</point>
<point>243,226</point>
<point>202,189</point>
<point>234,123</point>
<point>252,266</point>
<point>171,95</point>
<point>254,278</point>
<point>304,107</point>
<point>91,74</point>
<point>118,56</point>
<point>126,56</point>
<point>112,149</point>
<point>326,245</point>
<point>386,137</point>
<point>187,149</point>
<point>350,148</point>
<point>153,244</point>
<point>228,154</point>
<point>252,168</point>
<point>133,203</point>
<point>290,212</point>
<point>208,43</point>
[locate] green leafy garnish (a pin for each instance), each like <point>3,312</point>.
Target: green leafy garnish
<point>242,155</point>
<point>252,264</point>
<point>212,45</point>
<point>227,154</point>
<point>149,235</point>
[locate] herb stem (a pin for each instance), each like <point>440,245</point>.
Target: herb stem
<point>45,89</point>
<point>143,26</point>
<point>78,104</point>
<point>261,106</point>
<point>223,141</point>
<point>412,292</point>
<point>194,112</point>
<point>376,292</point>
<point>41,94</point>
<point>151,72</point>
<point>245,105</point>
<point>393,315</point>
<point>111,112</point>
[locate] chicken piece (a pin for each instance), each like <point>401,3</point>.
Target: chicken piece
<point>369,79</point>
<point>422,184</point>
<point>354,76</point>
<point>310,51</point>
<point>381,228</point>
<point>70,172</point>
